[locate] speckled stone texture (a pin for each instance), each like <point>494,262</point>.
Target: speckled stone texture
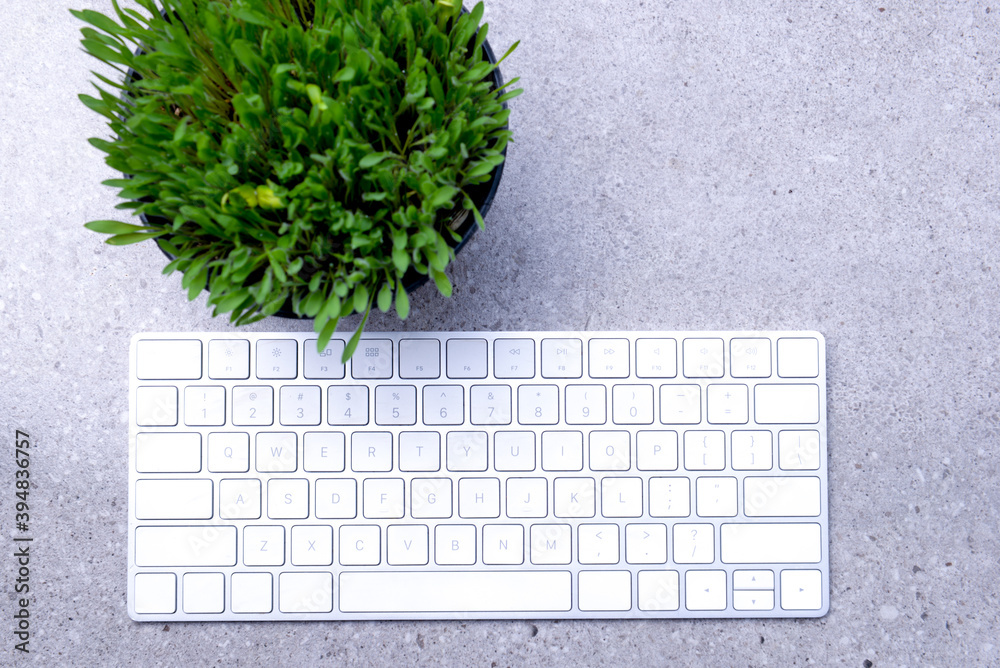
<point>682,164</point>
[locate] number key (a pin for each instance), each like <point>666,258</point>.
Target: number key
<point>253,405</point>
<point>299,404</point>
<point>395,404</point>
<point>347,405</point>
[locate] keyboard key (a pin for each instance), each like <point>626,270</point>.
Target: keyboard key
<point>658,590</point>
<point>173,499</point>
<point>801,590</point>
<point>610,451</point>
<point>336,499</point>
<point>323,451</point>
<point>383,498</point>
<point>167,360</point>
<point>323,364</point>
<point>538,404</point>
<point>586,404</point>
<point>751,450</point>
<point>299,405</point>
<point>419,358</point>
<point>396,405</point>
<point>430,498</point>
<point>185,546</point>
<point>609,358</point>
<point>371,451</point>
<point>204,406</point>
<point>669,497</point>
<point>798,358</point>
<point>753,600</point>
<point>694,543</point>
<point>455,545</point>
<point>562,451</point>
<point>419,451</point>
<point>406,545</point>
<point>798,450</point>
<point>347,405</point>
<point>632,404</point>
<point>750,358</point>
<point>598,544</point>
<point>727,404</point>
<point>704,450</point>
<point>372,359</point>
<point>287,499</point>
<point>466,358</point>
<point>680,404</point>
<point>251,593</point>
<point>156,406</point>
<point>253,405</point>
<point>479,497</point>
<point>527,497</point>
<point>165,452</point>
<point>155,593</point>
<point>204,593</point>
<point>562,358</point>
<point>514,451</point>
<point>263,545</point>
<point>656,358</point>
<point>753,579</point>
<point>229,359</point>
<point>646,543</point>
<point>444,404</point>
<point>770,543</point>
<point>781,496</point>
<point>437,592</point>
<point>786,404</point>
<point>514,358</point>
<point>467,451</point>
<point>703,358</point>
<point>360,545</point>
<point>656,450</point>
<point>312,545</point>
<point>305,593</point>
<point>276,452</point>
<point>705,590</point>
<point>277,358</point>
<point>239,498</point>
<point>605,590</point>
<point>551,544</point>
<point>228,452</point>
<point>490,404</point>
<point>573,497</point>
<point>621,497</point>
<point>503,544</point>
<point>715,497</point>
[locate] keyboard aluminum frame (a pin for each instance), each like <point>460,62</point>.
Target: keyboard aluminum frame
<point>822,473</point>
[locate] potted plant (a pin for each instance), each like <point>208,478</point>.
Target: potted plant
<point>310,158</point>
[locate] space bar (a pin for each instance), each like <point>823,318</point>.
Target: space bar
<point>457,591</point>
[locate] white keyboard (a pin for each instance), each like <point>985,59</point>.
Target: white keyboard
<point>467,475</point>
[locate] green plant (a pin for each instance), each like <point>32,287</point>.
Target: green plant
<point>302,152</point>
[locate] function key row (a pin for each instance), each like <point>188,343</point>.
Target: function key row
<point>469,358</point>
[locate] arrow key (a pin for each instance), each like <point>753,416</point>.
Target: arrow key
<point>801,590</point>
<point>753,579</point>
<point>753,600</point>
<point>705,590</point>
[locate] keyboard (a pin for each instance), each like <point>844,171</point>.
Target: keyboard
<point>473,475</point>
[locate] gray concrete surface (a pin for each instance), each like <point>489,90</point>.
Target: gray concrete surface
<point>677,165</point>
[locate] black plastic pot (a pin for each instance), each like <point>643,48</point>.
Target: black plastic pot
<point>482,195</point>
